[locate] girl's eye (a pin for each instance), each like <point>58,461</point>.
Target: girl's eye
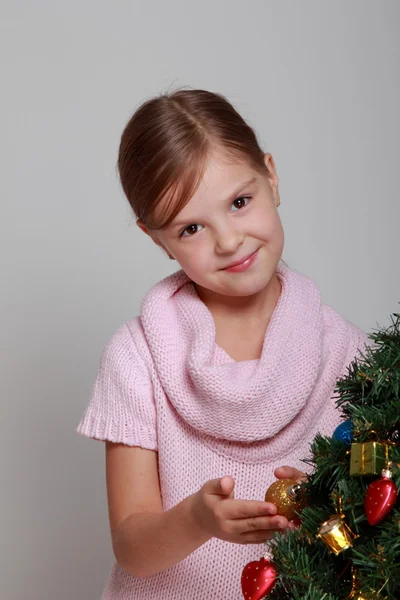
<point>191,230</point>
<point>195,227</point>
<point>241,202</point>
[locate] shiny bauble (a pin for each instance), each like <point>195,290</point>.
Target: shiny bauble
<point>380,498</point>
<point>344,433</point>
<point>287,497</point>
<point>258,579</point>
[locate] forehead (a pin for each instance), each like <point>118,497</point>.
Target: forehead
<point>222,175</point>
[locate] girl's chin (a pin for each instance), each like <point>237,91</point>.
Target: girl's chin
<point>238,288</point>
<point>241,291</point>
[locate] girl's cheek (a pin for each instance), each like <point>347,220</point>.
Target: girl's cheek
<point>266,224</point>
<point>193,255</point>
<point>263,229</point>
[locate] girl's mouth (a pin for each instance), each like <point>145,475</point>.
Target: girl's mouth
<point>242,265</point>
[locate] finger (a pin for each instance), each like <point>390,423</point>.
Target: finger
<point>290,473</point>
<point>244,509</point>
<point>257,537</point>
<point>240,526</point>
<point>223,486</point>
<point>227,484</point>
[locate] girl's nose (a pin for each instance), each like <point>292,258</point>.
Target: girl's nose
<point>227,240</point>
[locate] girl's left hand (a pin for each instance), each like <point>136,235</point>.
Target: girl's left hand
<point>289,473</point>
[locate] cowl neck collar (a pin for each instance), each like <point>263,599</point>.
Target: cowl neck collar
<point>245,401</point>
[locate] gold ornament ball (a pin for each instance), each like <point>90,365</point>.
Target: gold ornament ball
<point>277,493</point>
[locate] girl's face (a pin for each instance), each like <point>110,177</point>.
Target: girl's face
<point>232,216</point>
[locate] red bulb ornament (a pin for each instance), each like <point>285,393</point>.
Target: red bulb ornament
<point>258,579</point>
<point>380,498</point>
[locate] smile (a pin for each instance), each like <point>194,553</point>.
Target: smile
<point>243,264</point>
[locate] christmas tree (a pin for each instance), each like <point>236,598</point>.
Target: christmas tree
<point>347,545</point>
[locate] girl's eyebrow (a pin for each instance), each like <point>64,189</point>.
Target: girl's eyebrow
<point>232,196</point>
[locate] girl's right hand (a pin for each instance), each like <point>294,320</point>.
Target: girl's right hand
<point>238,521</point>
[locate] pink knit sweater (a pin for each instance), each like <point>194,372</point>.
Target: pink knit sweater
<point>164,384</point>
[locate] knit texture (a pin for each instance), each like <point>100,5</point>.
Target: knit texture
<point>164,384</point>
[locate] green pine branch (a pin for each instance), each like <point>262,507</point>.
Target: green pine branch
<point>369,396</point>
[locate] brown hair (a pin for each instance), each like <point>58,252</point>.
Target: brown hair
<point>165,145</point>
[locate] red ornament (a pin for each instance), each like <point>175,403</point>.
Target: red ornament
<point>380,498</point>
<point>258,579</point>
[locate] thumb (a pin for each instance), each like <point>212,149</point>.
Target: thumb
<point>223,486</point>
<point>227,484</point>
<point>290,473</point>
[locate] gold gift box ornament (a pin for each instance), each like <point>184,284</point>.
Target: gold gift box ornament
<point>369,458</point>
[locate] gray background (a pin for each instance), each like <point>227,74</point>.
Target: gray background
<point>319,81</point>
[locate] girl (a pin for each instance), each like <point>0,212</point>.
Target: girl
<point>228,371</point>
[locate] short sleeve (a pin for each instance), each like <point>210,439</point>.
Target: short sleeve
<point>121,406</point>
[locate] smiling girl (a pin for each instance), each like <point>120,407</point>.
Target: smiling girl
<point>228,371</point>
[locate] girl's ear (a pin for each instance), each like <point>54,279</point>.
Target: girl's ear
<point>153,236</point>
<point>272,177</point>
<point>142,226</point>
<point>270,164</point>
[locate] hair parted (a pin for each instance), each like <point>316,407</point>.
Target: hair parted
<point>165,146</point>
